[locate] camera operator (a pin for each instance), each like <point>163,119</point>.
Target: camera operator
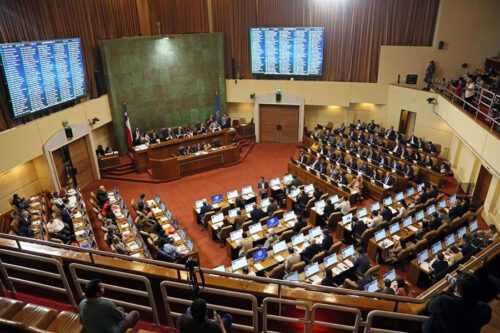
<point>458,309</point>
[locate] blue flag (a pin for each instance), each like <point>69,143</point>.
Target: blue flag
<point>217,108</point>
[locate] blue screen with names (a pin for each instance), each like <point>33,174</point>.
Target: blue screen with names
<point>287,51</point>
<point>42,74</point>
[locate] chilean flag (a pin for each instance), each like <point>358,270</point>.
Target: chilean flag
<point>128,130</point>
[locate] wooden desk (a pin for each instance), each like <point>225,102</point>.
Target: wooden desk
<point>108,161</point>
<point>246,130</point>
<point>215,158</point>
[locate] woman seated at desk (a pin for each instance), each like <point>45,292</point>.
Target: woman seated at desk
<point>356,184</point>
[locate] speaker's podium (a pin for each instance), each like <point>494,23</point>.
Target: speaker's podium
<point>165,169</point>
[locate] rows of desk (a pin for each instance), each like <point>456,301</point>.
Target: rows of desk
<point>81,224</point>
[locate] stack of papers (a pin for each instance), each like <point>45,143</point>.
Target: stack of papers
<point>279,258</point>
<point>258,267</point>
<point>316,279</point>
<point>255,237</point>
<point>140,147</point>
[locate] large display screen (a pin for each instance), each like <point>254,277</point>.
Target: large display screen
<point>42,74</point>
<point>287,51</point>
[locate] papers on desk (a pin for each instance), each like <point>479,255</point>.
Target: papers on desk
<point>258,267</point>
<point>133,246</point>
<point>78,225</point>
<point>393,210</point>
<point>354,191</point>
<point>386,243</point>
<point>387,186</point>
<point>248,196</point>
<point>279,258</point>
<point>342,267</point>
<point>348,263</point>
<point>124,225</point>
<point>34,204</point>
<point>316,279</point>
<point>140,147</point>
<point>412,228</point>
<point>255,237</point>
<point>336,271</point>
<point>126,234</point>
<point>163,219</point>
<point>80,233</point>
<point>33,198</point>
<point>215,206</point>
<point>275,188</point>
<point>165,226</point>
<point>71,191</point>
<point>136,255</point>
<point>37,222</point>
<point>176,237</point>
<point>77,215</point>
<point>396,237</point>
<point>150,202</point>
<point>198,210</point>
<point>156,210</point>
<point>112,198</point>
<point>34,211</point>
<point>426,266</point>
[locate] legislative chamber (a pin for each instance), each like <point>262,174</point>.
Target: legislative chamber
<point>249,166</point>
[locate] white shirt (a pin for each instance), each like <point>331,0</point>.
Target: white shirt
<point>55,226</point>
<point>469,93</point>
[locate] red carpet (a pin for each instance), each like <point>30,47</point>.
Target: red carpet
<point>265,159</point>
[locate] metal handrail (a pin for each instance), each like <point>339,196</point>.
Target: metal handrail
<point>352,328</point>
<point>449,93</point>
<point>392,315</point>
<point>265,315</point>
<point>280,283</point>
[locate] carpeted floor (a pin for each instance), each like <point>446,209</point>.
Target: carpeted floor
<point>265,159</point>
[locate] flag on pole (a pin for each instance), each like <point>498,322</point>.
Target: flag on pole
<point>128,129</point>
<point>217,108</point>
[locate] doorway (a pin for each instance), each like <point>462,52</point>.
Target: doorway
<point>279,123</point>
<point>407,122</point>
<point>482,185</point>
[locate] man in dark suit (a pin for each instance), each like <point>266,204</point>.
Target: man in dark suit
<point>390,133</point>
<point>413,140</point>
<point>388,179</point>
<point>399,138</point>
<point>404,153</point>
<point>257,213</point>
<point>432,224</point>
<point>272,207</point>
<point>353,135</point>
<point>366,279</point>
<point>310,251</point>
<point>239,202</point>
<point>372,140</point>
<point>365,169</point>
<point>302,200</point>
<point>101,196</point>
<point>371,126</point>
<point>137,136</point>
<point>322,168</point>
<point>317,163</point>
<point>455,210</point>
<point>420,144</point>
<point>343,179</point>
<point>299,224</point>
<point>239,220</point>
<point>362,262</point>
<point>358,227</point>
<point>431,148</point>
<point>263,187</point>
<point>327,242</point>
<point>328,210</point>
<point>408,171</point>
<point>372,155</point>
<point>205,208</point>
<point>361,136</point>
<point>352,164</point>
<point>439,264</point>
<point>384,160</point>
<point>303,158</point>
<point>295,181</point>
<point>397,149</point>
<point>386,213</point>
<point>433,192</point>
<point>396,165</point>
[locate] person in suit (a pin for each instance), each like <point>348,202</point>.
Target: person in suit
<point>372,155</point>
<point>433,192</point>
<point>340,144</point>
<point>257,213</point>
<point>428,161</point>
<point>366,279</point>
<point>388,179</point>
<point>343,179</point>
<point>299,224</point>
<point>353,135</point>
<point>153,137</point>
<point>390,133</point>
<point>465,206</point>
<point>310,251</point>
<point>384,160</point>
<point>371,126</point>
<point>455,210</point>
<point>225,121</point>
<point>362,263</point>
<point>376,175</point>
<point>365,169</point>
<point>101,195</point>
<point>327,242</point>
<point>100,151</point>
<point>416,156</point>
<point>372,140</point>
<point>21,203</point>
<point>439,264</point>
<point>292,259</point>
<point>295,181</point>
<point>137,136</point>
<point>303,158</point>
<point>201,129</point>
<point>408,171</point>
<point>405,154</point>
<point>362,151</point>
<point>322,168</point>
<point>141,203</point>
<point>358,227</point>
<point>361,136</point>
<point>332,140</point>
<point>352,147</point>
<point>396,165</point>
<point>343,206</point>
<point>413,140</point>
<point>420,144</point>
<point>317,163</point>
<point>387,288</point>
<point>263,187</point>
<point>431,148</point>
<point>359,125</point>
<point>399,138</point>
<point>397,149</point>
<point>323,150</point>
<point>24,225</point>
<point>239,219</point>
<point>335,173</point>
<point>205,208</point>
<point>340,129</point>
<point>352,164</point>
<point>432,224</point>
<point>386,213</point>
<point>328,210</point>
<point>245,244</point>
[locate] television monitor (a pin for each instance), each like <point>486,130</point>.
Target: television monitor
<point>217,218</point>
<point>442,204</point>
<point>347,252</point>
<point>130,220</point>
<point>298,239</point>
<point>169,214</point>
<point>259,255</point>
<point>387,201</point>
<point>407,221</point>
<point>190,245</point>
<point>232,194</point>
<point>292,277</point>
<point>248,208</point>
<point>399,196</point>
<point>330,260</point>
<point>372,286</point>
<point>361,212</point>
<point>217,198</point>
<point>393,228</point>
<point>175,223</point>
<point>279,247</point>
<point>220,268</point>
<point>199,203</point>
<point>42,74</point>
<point>461,232</point>
<point>346,219</point>
<point>419,216</point>
<point>246,190</point>
<point>134,230</point>
<point>182,232</point>
<point>287,51</point>
<point>115,190</point>
<point>235,235</point>
<point>272,222</point>
<point>379,235</point>
<point>453,198</point>
<point>139,241</point>
<point>431,209</point>
<point>315,232</point>
<point>449,240</point>
<point>163,206</point>
<point>390,275</point>
<point>288,216</point>
<point>420,187</point>
<point>375,206</point>
<point>436,248</point>
<point>295,192</point>
<point>309,188</point>
<point>320,204</point>
<point>334,199</point>
<point>311,269</point>
<point>422,256</point>
<point>473,226</point>
<point>239,263</point>
<point>274,182</point>
<point>157,197</point>
<point>232,213</point>
<point>255,228</point>
<point>264,202</point>
<point>145,253</point>
<point>287,178</point>
<point>410,191</point>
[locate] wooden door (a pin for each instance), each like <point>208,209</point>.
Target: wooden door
<point>80,160</point>
<point>482,185</point>
<point>279,123</point>
<point>60,166</point>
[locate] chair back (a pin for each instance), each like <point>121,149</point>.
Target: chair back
<point>286,236</point>
<point>318,257</point>
<point>278,213</point>
<point>333,219</point>
<point>373,269</point>
<point>298,267</point>
<point>349,284</point>
<point>430,236</point>
<point>225,231</point>
<point>277,272</point>
<point>246,224</point>
<point>335,248</point>
<point>305,230</point>
<point>250,252</point>
<point>367,234</point>
<point>421,245</point>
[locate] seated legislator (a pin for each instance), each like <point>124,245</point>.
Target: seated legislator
<point>263,187</point>
<point>100,151</point>
<point>388,180</point>
<point>366,279</point>
<point>356,184</point>
<point>358,227</point>
<point>387,287</point>
<point>170,253</point>
<point>109,150</point>
<point>327,240</point>
<point>371,126</point>
<point>119,247</point>
<point>439,264</point>
<point>343,206</point>
<point>257,213</point>
<point>195,319</point>
<point>101,196</point>
<point>58,229</point>
<point>225,121</point>
<point>299,224</point>
<point>239,220</point>
<point>310,251</point>
<point>102,315</point>
<point>245,244</point>
<point>362,262</point>
<point>272,207</point>
<point>271,239</point>
<point>292,259</point>
<point>24,226</point>
<point>340,129</point>
<point>137,136</point>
